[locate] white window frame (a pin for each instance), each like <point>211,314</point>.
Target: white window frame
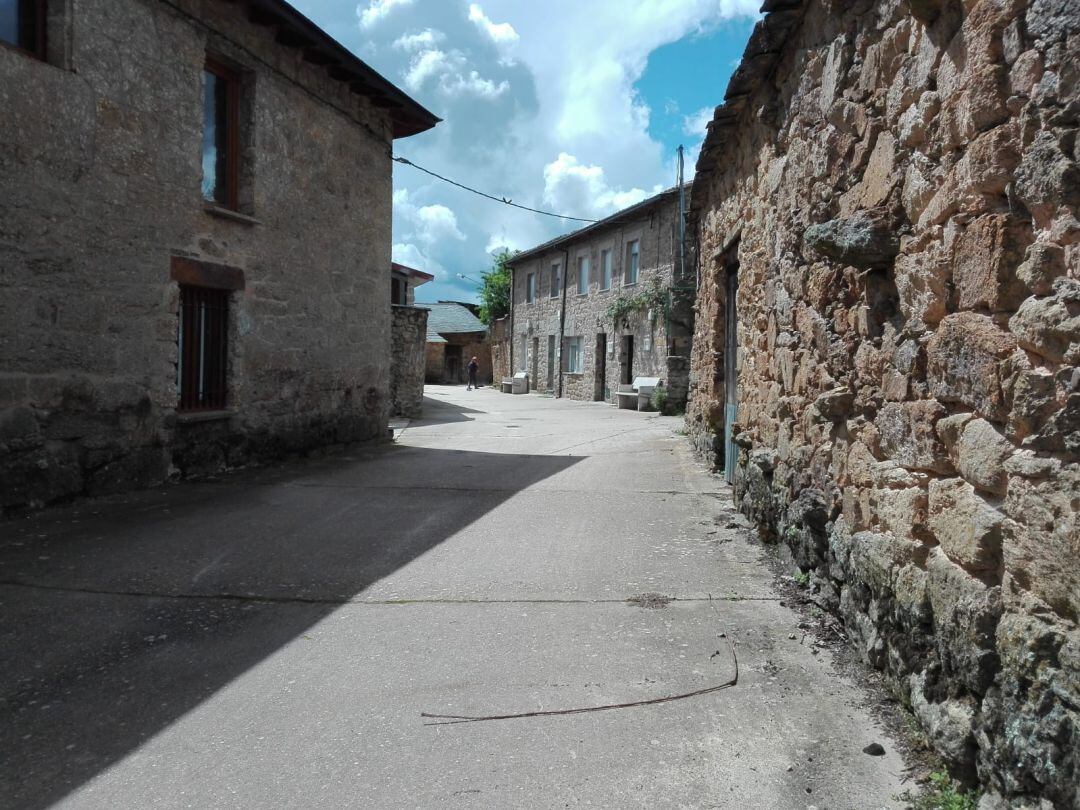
<point>583,275</point>
<point>575,355</point>
<point>633,262</point>
<point>605,269</point>
<point>555,279</point>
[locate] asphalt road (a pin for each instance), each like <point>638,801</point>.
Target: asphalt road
<point>271,639</point>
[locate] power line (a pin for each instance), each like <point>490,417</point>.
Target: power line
<point>502,200</point>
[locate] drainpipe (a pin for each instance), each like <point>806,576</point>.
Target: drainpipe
<point>513,309</point>
<point>562,314</point>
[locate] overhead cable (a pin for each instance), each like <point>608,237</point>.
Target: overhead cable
<point>502,200</point>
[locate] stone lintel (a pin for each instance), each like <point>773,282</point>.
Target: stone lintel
<point>205,274</point>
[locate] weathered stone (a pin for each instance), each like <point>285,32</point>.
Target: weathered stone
<point>1053,19</point>
<point>408,337</point>
<point>1034,400</point>
<point>835,405</point>
<point>863,240</point>
<point>962,361</point>
<point>922,283</point>
<point>982,453</point>
<point>1042,529</point>
<point>908,436</point>
<point>1043,263</point>
<point>966,613</point>
<point>1046,178</point>
<point>965,524</point>
<point>19,429</point>
<point>1050,326</point>
<point>985,258</point>
<point>925,11</point>
<point>1061,432</point>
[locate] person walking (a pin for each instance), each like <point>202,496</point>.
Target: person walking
<point>474,365</point>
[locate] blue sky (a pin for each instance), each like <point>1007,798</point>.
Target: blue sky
<point>564,105</point>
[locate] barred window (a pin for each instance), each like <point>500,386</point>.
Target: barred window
<point>202,342</point>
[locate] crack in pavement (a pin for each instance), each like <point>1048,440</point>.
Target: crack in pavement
<point>313,600</point>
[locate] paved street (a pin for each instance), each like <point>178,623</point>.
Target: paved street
<point>271,638</point>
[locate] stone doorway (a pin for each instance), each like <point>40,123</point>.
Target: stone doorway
<point>626,360</point>
<point>551,363</point>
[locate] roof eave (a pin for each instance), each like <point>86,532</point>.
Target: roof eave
<point>293,29</point>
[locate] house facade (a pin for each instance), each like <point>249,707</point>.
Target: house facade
<point>605,304</point>
<point>195,208</point>
<point>887,357</point>
<point>454,336</point>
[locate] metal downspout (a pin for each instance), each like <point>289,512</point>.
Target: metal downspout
<point>564,271</point>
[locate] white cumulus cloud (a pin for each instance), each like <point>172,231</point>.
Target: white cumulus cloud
<point>437,223</point>
<point>420,40</point>
<point>696,123</point>
<point>570,185</point>
<point>378,9</point>
<point>453,75</point>
<point>500,33</point>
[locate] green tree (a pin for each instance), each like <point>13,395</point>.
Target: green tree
<point>495,292</point>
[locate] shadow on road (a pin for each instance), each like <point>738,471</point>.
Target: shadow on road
<point>438,412</point>
<point>118,616</point>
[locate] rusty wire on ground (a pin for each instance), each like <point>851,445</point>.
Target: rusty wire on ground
<point>453,719</point>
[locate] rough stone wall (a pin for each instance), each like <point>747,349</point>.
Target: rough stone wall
<point>500,350</point>
<point>100,172</point>
<point>903,189</point>
<point>408,339</point>
<point>586,314</point>
<point>434,362</point>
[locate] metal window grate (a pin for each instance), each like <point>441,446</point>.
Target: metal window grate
<point>202,341</point>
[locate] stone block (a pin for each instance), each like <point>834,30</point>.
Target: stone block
<point>963,360</point>
<point>922,280</point>
<point>1050,326</point>
<point>864,240</point>
<point>908,436</point>
<point>1043,263</point>
<point>966,525</point>
<point>966,614</point>
<point>985,257</point>
<point>982,452</point>
<point>1043,529</point>
<point>1046,179</point>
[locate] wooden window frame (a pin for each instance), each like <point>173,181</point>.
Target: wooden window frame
<point>530,287</point>
<point>40,48</point>
<point>231,77</point>
<point>607,269</point>
<point>555,273</point>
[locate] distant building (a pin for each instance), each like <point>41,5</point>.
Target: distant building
<point>404,281</point>
<point>195,207</point>
<point>606,304</point>
<point>454,336</point>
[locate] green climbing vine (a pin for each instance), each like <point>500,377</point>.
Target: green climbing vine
<point>652,295</point>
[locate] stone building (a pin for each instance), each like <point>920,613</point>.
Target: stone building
<point>887,357</point>
<point>195,205</point>
<point>607,303</point>
<point>404,281</point>
<point>454,336</point>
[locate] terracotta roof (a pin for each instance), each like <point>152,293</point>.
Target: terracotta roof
<point>294,30</point>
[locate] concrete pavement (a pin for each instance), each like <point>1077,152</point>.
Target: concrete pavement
<point>270,639</point>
